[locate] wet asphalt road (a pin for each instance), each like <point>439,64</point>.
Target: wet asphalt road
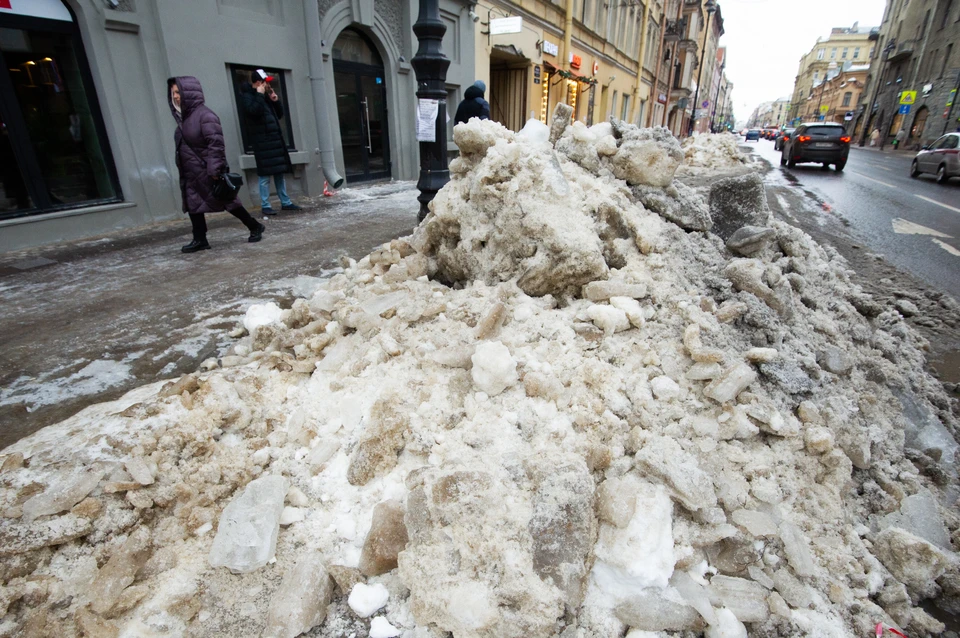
<point>874,190</point>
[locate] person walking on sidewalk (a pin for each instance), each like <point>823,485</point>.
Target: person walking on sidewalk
<point>875,137</point>
<point>473,104</point>
<point>263,110</point>
<point>201,160</point>
<point>899,139</point>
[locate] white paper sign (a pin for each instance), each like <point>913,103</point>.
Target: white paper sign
<point>500,26</point>
<point>550,48</point>
<point>427,111</point>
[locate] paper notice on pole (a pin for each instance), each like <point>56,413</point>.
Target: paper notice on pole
<point>427,111</point>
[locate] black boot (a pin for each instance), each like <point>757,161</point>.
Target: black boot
<point>257,233</point>
<point>195,245</point>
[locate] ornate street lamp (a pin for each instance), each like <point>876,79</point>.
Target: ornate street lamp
<point>430,66</point>
<point>710,6</point>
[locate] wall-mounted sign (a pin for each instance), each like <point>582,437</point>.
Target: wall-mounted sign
<point>550,48</point>
<point>536,70</point>
<point>824,109</point>
<point>662,98</point>
<point>908,97</point>
<point>596,67</point>
<point>927,88</point>
<point>501,26</point>
<point>904,109</point>
<point>848,116</point>
<point>575,61</point>
<point>49,9</point>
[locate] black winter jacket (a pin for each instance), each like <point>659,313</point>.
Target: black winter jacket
<point>263,126</point>
<point>472,105</point>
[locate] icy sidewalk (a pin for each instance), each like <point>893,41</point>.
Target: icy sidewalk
<point>87,321</point>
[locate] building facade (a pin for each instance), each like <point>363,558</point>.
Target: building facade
<point>917,71</point>
<point>836,99</point>
<point>86,137</point>
<point>843,48</point>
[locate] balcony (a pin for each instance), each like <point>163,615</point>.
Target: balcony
<point>903,51</point>
<point>686,44</point>
<point>674,30</point>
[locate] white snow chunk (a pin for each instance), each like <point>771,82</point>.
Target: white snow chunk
<point>380,627</point>
<point>261,314</point>
<point>641,554</point>
<point>665,388</point>
<point>366,600</point>
<point>632,309</point>
<point>608,318</point>
<point>534,131</point>
<point>727,626</point>
<point>291,515</point>
<point>494,368</point>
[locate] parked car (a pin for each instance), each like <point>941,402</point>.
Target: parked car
<point>823,142</point>
<point>941,158</point>
<point>783,134</point>
<point>752,134</point>
<point>769,133</point>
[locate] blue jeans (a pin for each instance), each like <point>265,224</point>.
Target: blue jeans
<point>281,190</point>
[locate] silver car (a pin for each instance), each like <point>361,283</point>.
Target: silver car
<point>941,158</point>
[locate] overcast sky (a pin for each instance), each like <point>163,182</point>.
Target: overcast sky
<point>765,39</point>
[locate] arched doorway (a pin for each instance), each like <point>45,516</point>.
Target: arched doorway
<point>359,80</point>
<point>919,123</point>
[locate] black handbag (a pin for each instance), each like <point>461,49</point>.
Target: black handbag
<point>226,188</point>
<point>228,185</point>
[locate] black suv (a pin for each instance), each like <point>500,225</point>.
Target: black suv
<point>822,142</point>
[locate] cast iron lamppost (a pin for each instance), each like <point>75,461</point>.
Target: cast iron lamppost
<point>430,66</point>
<point>713,114</point>
<point>710,6</point>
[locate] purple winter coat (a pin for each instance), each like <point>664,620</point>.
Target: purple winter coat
<point>201,157</point>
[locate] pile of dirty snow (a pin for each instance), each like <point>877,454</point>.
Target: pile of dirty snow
<point>580,400</point>
<point>711,152</point>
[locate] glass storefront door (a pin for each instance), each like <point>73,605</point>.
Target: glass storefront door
<point>53,143</point>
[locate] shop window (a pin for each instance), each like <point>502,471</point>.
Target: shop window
<point>240,74</point>
<point>54,152</point>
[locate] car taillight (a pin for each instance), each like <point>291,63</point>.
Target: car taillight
<point>786,138</point>
<point>845,139</point>
<point>803,138</point>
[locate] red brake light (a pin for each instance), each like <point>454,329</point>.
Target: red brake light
<point>803,138</point>
<point>845,139</point>
<point>785,137</point>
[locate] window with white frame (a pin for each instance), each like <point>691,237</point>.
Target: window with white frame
<point>820,54</point>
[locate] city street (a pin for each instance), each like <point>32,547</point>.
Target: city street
<point>913,223</point>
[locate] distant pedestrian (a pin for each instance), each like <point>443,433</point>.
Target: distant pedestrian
<point>201,160</point>
<point>899,138</point>
<point>263,110</point>
<point>875,137</point>
<point>473,104</point>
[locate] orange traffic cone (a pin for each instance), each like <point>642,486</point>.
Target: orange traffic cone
<point>326,190</point>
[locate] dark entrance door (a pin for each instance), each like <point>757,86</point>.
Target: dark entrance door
<point>360,83</point>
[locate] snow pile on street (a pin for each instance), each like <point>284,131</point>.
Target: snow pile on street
<point>711,152</point>
<point>552,411</point>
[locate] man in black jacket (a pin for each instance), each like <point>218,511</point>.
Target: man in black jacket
<point>473,104</point>
<point>263,110</point>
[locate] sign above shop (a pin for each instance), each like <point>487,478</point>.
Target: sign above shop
<point>550,48</point>
<point>502,26</point>
<point>575,61</point>
<point>662,98</point>
<point>49,9</point>
<point>596,67</point>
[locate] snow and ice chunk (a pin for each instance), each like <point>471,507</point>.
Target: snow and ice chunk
<point>300,603</point>
<point>662,458</point>
<point>366,600</point>
<point>494,368</point>
<point>247,533</point>
<point>380,627</point>
<point>535,132</point>
<point>608,318</point>
<point>261,314</point>
<point>65,491</point>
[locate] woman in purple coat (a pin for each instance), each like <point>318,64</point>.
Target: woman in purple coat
<point>201,160</point>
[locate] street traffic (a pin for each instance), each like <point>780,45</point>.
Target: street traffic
<point>913,222</point>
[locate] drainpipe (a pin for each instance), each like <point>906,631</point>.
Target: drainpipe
<point>567,35</point>
<point>658,68</point>
<point>311,17</point>
<point>643,48</point>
